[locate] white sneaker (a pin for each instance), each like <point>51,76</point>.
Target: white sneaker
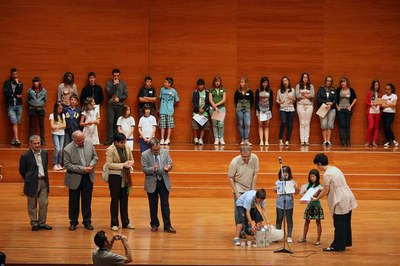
<point>287,143</point>
<point>396,144</point>
<point>281,143</point>
<point>387,144</point>
<point>114,228</point>
<point>162,142</point>
<point>216,142</point>
<point>60,167</point>
<point>289,240</point>
<point>130,226</point>
<point>167,142</point>
<point>242,143</point>
<point>55,168</point>
<point>236,241</point>
<point>266,143</point>
<point>247,142</point>
<point>261,143</point>
<point>201,142</point>
<point>222,141</point>
<point>196,141</point>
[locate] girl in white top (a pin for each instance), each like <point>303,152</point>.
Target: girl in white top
<point>89,120</point>
<point>126,125</point>
<point>147,128</point>
<point>57,124</point>
<point>388,113</point>
<point>304,96</point>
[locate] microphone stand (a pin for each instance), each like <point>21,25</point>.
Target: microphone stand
<point>283,249</point>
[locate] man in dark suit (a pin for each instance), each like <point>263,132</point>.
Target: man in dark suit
<point>33,169</point>
<point>156,164</point>
<point>80,159</point>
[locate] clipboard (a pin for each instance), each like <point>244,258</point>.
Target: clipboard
<point>322,111</point>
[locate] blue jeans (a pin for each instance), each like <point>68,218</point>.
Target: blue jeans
<point>243,118</point>
<point>287,118</point>
<point>58,141</point>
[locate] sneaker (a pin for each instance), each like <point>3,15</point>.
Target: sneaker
<point>289,240</point>
<point>301,240</point>
<point>396,144</point>
<point>201,142</point>
<point>17,143</point>
<point>114,228</point>
<point>236,241</point>
<point>55,167</point>
<point>307,143</point>
<point>167,142</point>
<point>329,143</point>
<point>130,226</point>
<point>247,142</point>
<point>281,143</point>
<point>374,144</point>
<point>196,141</point>
<point>302,143</point>
<point>287,143</point>
<point>266,143</point>
<point>261,143</point>
<point>222,141</point>
<point>60,167</point>
<point>387,144</point>
<point>162,142</point>
<point>366,144</point>
<point>242,143</point>
<point>216,142</point>
<point>13,142</point>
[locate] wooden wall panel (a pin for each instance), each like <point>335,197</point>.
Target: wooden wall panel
<point>192,39</point>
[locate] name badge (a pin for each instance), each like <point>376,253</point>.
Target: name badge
<point>150,92</point>
<point>247,94</point>
<point>221,90</point>
<point>170,93</point>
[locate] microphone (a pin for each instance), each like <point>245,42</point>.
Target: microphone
<point>280,159</point>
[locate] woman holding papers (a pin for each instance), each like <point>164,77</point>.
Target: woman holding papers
<point>285,188</point>
<point>305,97</point>
<point>217,98</point>
<point>314,210</point>
<point>373,111</point>
<point>341,202</point>
<point>264,102</point>
<point>326,100</point>
<point>244,99</point>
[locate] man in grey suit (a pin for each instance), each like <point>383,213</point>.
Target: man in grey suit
<point>156,164</point>
<point>33,169</point>
<point>80,159</point>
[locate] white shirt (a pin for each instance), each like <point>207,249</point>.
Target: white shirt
<point>390,99</point>
<point>59,131</point>
<point>147,124</point>
<point>126,124</point>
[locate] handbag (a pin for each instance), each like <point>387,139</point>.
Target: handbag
<point>105,172</point>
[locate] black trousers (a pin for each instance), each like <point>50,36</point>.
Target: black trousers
<point>119,196</point>
<point>84,190</point>
<point>40,119</point>
<point>344,117</point>
<point>113,113</point>
<point>342,224</point>
<point>387,119</point>
<point>162,191</point>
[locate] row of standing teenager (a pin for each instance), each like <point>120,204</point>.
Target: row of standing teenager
<point>205,102</point>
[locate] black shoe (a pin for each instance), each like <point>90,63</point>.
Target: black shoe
<point>17,143</point>
<point>242,235</point>
<point>330,249</point>
<point>89,227</point>
<point>170,230</point>
<point>249,232</point>
<point>35,228</point>
<point>72,227</point>
<point>108,142</point>
<point>45,227</point>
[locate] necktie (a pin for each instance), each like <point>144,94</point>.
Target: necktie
<point>157,161</point>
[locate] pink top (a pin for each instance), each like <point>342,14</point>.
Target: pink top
<point>340,198</point>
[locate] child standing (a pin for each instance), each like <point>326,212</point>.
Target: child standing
<point>168,98</point>
<point>314,210</point>
<point>126,125</point>
<point>217,98</point>
<point>285,202</point>
<point>57,124</point>
<point>72,118</point>
<point>201,104</point>
<point>146,127</point>
<point>264,102</point>
<point>89,120</point>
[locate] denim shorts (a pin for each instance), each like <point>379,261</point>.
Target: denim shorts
<point>14,113</point>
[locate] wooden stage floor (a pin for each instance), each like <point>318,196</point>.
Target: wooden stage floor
<point>204,234</point>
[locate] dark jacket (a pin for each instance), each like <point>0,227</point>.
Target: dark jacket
<point>9,95</point>
<point>196,99</point>
<point>92,91</point>
<point>29,171</point>
<point>321,97</point>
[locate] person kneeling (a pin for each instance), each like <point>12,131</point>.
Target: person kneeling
<point>246,206</point>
